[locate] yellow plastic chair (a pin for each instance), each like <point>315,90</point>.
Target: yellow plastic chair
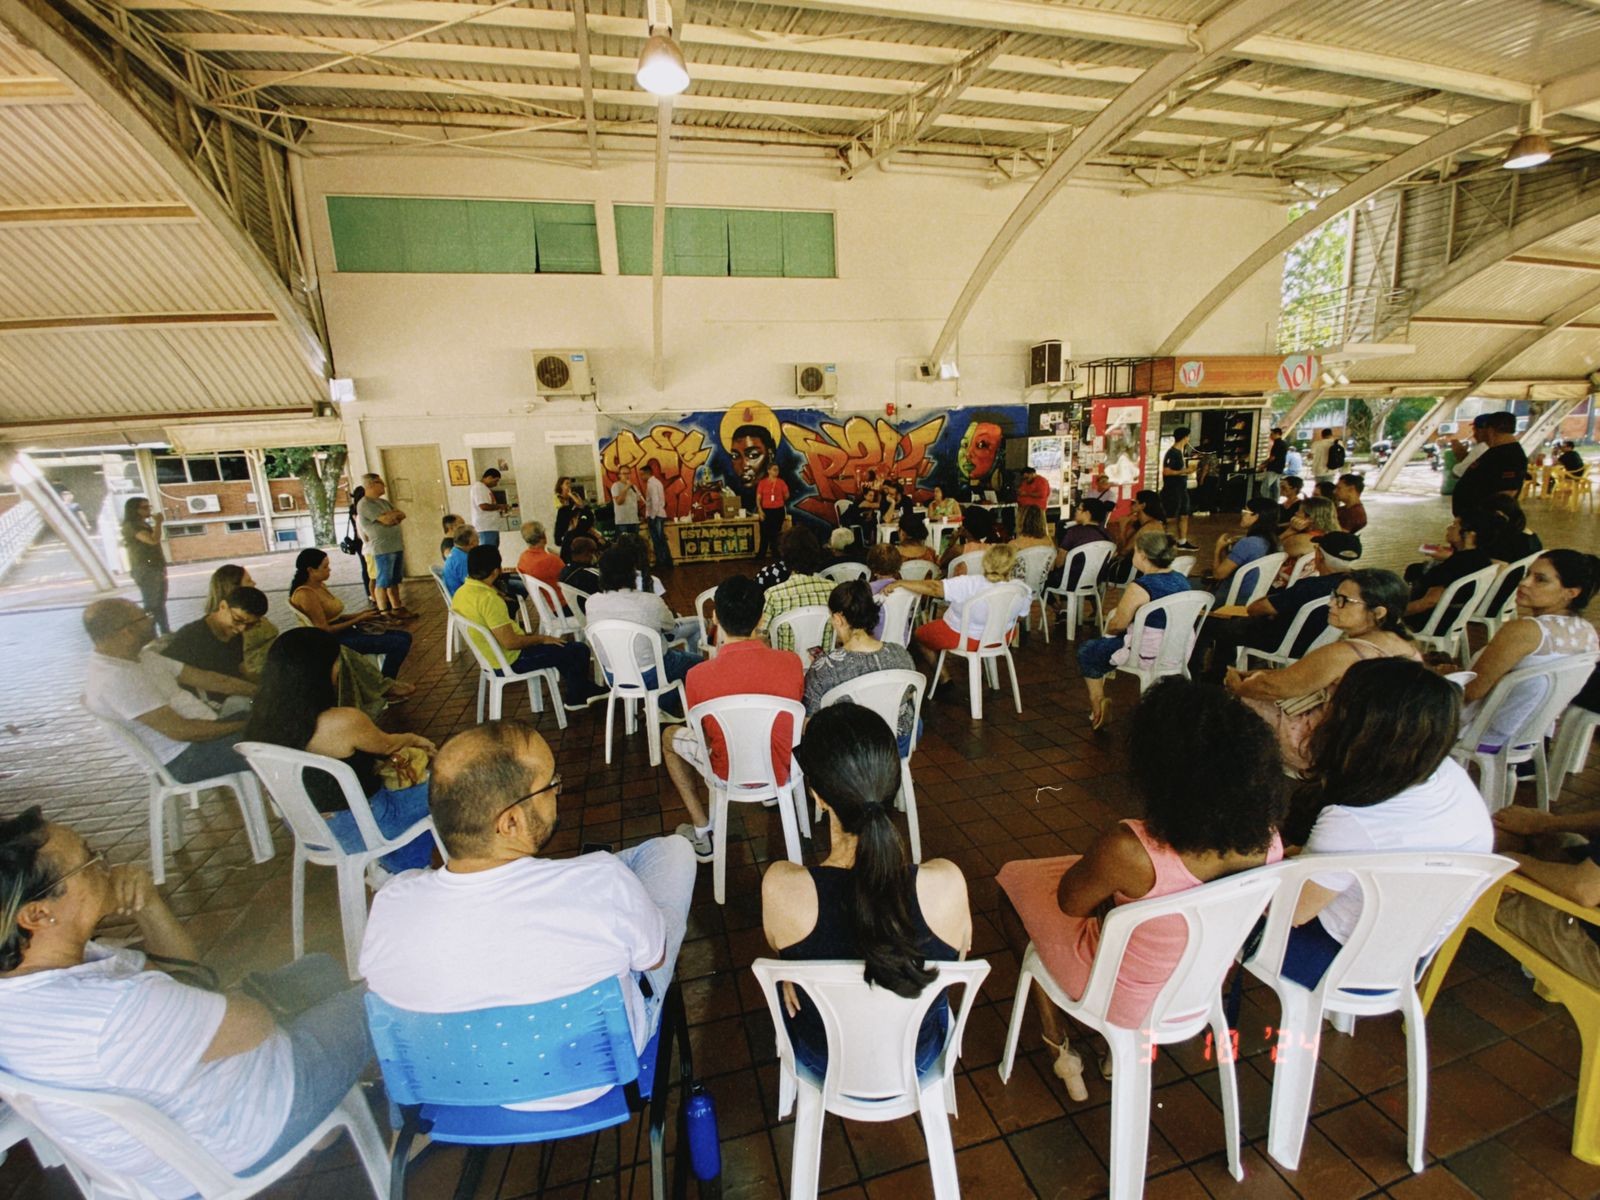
<point>1582,1000</point>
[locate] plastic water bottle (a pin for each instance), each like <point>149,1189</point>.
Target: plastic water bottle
<point>705,1149</point>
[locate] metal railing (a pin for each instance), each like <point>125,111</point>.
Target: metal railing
<point>1343,315</point>
<point>19,525</point>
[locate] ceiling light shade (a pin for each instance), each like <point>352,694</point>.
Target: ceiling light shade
<point>1529,150</point>
<point>662,71</point>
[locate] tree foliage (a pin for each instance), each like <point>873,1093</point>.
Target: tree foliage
<point>1313,274</point>
<point>318,468</point>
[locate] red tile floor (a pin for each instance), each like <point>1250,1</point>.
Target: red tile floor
<point>1011,785</point>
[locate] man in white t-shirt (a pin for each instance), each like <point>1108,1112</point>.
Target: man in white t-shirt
<point>486,509</point>
<point>83,1015</point>
<point>655,511</point>
<point>146,694</point>
<point>625,500</point>
<point>500,926</point>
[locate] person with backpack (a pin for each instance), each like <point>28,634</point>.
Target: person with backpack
<point>1327,456</point>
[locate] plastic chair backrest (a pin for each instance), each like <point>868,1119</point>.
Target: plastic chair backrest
<point>616,645</point>
<point>844,572</point>
<point>1303,567</point>
<point>1185,613</point>
<point>1562,680</point>
<point>1218,917</point>
<point>899,615</point>
<point>1003,603</point>
<point>491,655</point>
<point>547,605</point>
<point>508,1055</point>
<point>1297,627</point>
<point>884,692</point>
<point>919,568</point>
<point>970,563</point>
<point>1184,565</point>
<point>841,506</point>
<point>1252,581</point>
<point>130,742</point>
<point>1501,602</point>
<point>282,771</point>
<point>706,602</point>
<point>745,723</point>
<point>1463,596</point>
<point>1033,565</point>
<point>806,623</point>
<point>1092,556</point>
<point>871,1032</point>
<point>144,1124</point>
<point>574,601</point>
<point>1410,901</point>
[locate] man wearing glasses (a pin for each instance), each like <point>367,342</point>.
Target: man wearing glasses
<point>146,694</point>
<point>215,642</point>
<point>81,1014</point>
<point>501,925</point>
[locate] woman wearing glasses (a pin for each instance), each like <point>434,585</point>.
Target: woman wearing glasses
<point>298,706</point>
<point>1368,608</point>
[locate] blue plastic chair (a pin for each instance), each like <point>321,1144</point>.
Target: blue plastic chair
<point>450,1074</point>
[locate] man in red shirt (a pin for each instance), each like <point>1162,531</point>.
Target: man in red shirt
<point>1033,490</point>
<point>537,560</point>
<point>743,666</point>
<point>772,494</point>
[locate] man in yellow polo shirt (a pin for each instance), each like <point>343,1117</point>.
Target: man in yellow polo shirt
<point>477,601</point>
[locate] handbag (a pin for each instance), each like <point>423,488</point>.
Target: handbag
<point>351,542</point>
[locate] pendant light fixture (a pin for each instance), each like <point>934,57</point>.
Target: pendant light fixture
<point>1532,149</point>
<point>662,70</point>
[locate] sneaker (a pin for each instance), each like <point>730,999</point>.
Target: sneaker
<point>1187,546</point>
<point>672,718</point>
<point>701,842</point>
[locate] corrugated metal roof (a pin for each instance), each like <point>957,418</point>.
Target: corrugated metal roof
<point>1571,353</point>
<point>65,154</point>
<point>1514,290</point>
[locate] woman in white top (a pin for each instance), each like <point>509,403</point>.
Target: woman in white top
<point>1381,779</point>
<point>1552,595</point>
<point>965,610</point>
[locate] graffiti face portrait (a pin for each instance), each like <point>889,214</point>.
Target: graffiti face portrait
<point>980,447</point>
<point>752,452</point>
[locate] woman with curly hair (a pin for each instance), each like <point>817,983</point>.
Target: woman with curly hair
<point>1185,736</point>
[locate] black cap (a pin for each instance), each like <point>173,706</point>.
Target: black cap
<point>1341,545</point>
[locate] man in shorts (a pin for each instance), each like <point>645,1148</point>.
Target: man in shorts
<point>380,529</point>
<point>1175,486</point>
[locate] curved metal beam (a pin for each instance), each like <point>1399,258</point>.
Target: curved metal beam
<point>1235,22</point>
<point>1480,375</point>
<point>1440,145</point>
<point>1546,422</point>
<point>1298,410</point>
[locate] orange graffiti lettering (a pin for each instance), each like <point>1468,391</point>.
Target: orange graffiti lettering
<point>838,456</point>
<point>678,452</point>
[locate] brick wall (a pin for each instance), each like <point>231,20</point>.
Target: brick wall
<point>236,500</point>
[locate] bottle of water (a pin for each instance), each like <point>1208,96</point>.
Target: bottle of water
<point>705,1150</point>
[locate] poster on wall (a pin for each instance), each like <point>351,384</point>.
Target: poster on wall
<point>823,458</point>
<point>1118,446</point>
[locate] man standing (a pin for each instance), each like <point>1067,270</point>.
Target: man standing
<point>625,503</point>
<point>1033,490</point>
<point>1347,495</point>
<point>380,529</point>
<point>145,694</point>
<point>655,511</point>
<point>743,666</point>
<point>1501,469</point>
<point>1175,486</point>
<point>499,925</point>
<point>1273,465</point>
<point>486,508</point>
<point>1468,453</point>
<point>1294,462</point>
<point>772,497</point>
<point>1322,467</point>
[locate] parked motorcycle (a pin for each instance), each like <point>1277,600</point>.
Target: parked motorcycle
<point>1381,452</point>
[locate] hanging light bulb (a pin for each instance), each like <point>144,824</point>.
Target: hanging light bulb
<point>662,70</point>
<point>1532,149</point>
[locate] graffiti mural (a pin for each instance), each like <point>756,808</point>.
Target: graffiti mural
<point>824,459</point>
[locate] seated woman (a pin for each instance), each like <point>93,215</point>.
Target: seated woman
<point>942,507</point>
<point>298,707</point>
<point>1549,626</point>
<point>1516,541</point>
<point>1088,525</point>
<point>1153,555</point>
<point>977,533</point>
<point>1315,516</point>
<point>1147,515</point>
<point>855,617</point>
<point>1257,537</point>
<point>865,901</point>
<point>310,596</point>
<point>914,540</point>
<point>962,591</point>
<point>1185,736</point>
<point>1368,608</point>
<point>1033,532</point>
<point>1462,554</point>
<point>843,547</point>
<point>1381,779</point>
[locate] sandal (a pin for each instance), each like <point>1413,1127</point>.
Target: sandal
<point>1068,1068</point>
<point>1101,715</point>
<point>399,691</point>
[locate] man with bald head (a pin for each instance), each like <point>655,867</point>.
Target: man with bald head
<point>499,924</point>
<point>145,693</point>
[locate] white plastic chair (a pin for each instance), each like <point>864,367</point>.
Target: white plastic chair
<point>615,644</point>
<point>554,621</point>
<point>745,723</point>
<point>899,615</point>
<point>1003,603</point>
<point>1304,567</point>
<point>872,1074</point>
<point>1219,916</point>
<point>167,1140</point>
<point>1186,612</point>
<point>574,600</point>
<point>452,631</point>
<point>1033,568</point>
<point>166,815</point>
<point>1091,559</point>
<point>1409,903</point>
<point>972,561</point>
<point>883,692</point>
<point>1497,768</point>
<point>936,532</point>
<point>1252,581</point>
<point>919,568</point>
<point>1284,654</point>
<point>844,572</point>
<point>807,625</point>
<point>1569,754</point>
<point>282,771</point>
<point>1464,596</point>
<point>1500,605</point>
<point>703,603</point>
<point>495,674</point>
<point>1184,564</point>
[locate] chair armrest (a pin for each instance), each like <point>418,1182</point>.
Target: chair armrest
<point>676,644</point>
<point>1528,887</point>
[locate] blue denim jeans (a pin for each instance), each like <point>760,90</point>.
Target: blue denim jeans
<point>393,645</point>
<point>395,812</point>
<point>658,541</point>
<point>207,760</point>
<point>666,867</point>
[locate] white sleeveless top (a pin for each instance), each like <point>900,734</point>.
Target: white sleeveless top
<point>1560,636</point>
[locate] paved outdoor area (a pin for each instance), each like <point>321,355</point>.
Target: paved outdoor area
<point>1009,786</point>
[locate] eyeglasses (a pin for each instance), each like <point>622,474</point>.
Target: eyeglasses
<point>553,785</point>
<point>44,891</point>
<point>1340,600</point>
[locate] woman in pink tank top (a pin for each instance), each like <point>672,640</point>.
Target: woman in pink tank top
<point>1208,771</point>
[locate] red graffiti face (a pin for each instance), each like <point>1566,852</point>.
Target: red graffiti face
<point>979,447</point>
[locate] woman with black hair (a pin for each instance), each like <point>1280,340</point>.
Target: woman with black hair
<point>1147,515</point>
<point>1257,538</point>
<point>865,901</point>
<point>310,596</point>
<point>297,706</point>
<point>854,613</point>
<point>1381,779</point>
<point>1207,771</point>
<point>1088,525</point>
<point>977,533</point>
<point>141,537</point>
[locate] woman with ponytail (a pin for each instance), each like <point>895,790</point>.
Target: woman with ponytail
<point>866,901</point>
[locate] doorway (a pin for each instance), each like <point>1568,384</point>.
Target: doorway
<point>415,475</point>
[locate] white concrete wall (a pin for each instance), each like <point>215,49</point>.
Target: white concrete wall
<point>436,357</point>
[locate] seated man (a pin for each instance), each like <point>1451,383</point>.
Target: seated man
<point>216,641</point>
<point>580,574</point>
<point>478,602</point>
<point>500,925</point>
<point>1461,555</point>
<point>1569,869</point>
<point>81,1014</point>
<point>146,694</point>
<point>803,585</point>
<point>455,567</point>
<point>537,560</point>
<point>1347,495</point>
<point>744,665</point>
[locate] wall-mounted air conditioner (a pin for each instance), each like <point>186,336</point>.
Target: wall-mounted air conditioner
<point>203,504</point>
<point>1049,364</point>
<point>562,373</point>
<point>815,379</point>
<point>285,502</point>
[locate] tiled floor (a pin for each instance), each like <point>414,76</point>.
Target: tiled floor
<point>1008,786</point>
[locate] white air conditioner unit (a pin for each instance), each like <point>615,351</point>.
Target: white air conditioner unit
<point>815,379</point>
<point>562,373</point>
<point>203,504</point>
<point>285,502</point>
